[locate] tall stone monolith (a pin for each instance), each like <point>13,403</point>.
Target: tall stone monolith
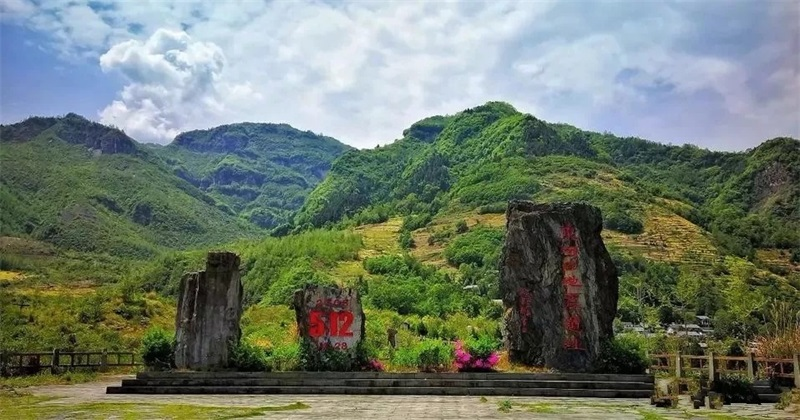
<point>209,310</point>
<point>558,284</point>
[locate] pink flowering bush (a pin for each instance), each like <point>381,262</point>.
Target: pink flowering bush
<point>476,355</point>
<point>375,365</point>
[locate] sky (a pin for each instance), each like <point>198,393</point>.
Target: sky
<point>724,75</point>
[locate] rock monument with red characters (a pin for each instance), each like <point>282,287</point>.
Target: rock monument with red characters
<point>329,319</point>
<point>558,284</point>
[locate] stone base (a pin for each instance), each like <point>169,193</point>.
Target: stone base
<point>379,383</point>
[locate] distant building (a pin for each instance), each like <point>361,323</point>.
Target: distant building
<point>703,321</point>
<point>687,330</point>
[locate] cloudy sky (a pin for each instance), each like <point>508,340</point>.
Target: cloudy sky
<point>721,74</point>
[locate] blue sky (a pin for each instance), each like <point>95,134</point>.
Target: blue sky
<point>721,74</point>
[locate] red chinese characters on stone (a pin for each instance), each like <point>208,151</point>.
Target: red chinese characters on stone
<point>568,232</point>
<point>569,251</point>
<point>572,342</point>
<point>571,281</point>
<point>572,302</point>
<point>572,288</point>
<point>524,307</point>
<point>339,323</point>
<point>573,323</point>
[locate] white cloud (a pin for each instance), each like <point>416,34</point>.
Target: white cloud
<point>363,71</point>
<point>13,9</point>
<point>174,83</point>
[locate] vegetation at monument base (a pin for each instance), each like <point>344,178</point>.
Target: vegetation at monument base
<point>417,226</point>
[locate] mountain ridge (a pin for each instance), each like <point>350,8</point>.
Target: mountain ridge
<point>488,154</point>
<point>89,187</point>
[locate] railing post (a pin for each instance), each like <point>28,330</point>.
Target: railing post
<point>104,360</point>
<point>751,364</point>
<point>712,371</point>
<point>55,362</point>
<point>678,368</point>
<point>796,368</point>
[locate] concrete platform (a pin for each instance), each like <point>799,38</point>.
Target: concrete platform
<point>378,383</point>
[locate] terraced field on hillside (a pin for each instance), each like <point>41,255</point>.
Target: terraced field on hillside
<point>667,237</point>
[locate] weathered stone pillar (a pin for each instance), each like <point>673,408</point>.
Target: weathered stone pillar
<point>209,310</point>
<point>329,319</point>
<point>558,284</point>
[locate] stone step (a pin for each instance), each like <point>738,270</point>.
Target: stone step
<point>581,377</point>
<point>415,383</point>
<point>766,390</point>
<point>539,392</point>
<point>769,398</point>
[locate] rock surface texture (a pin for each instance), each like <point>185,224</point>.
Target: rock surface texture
<point>329,319</point>
<point>558,283</point>
<point>209,310</point>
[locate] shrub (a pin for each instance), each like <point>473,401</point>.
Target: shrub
<point>477,354</point>
<point>158,349</point>
<point>461,226</point>
<point>496,208</point>
<point>285,358</point>
<point>779,344</point>
<point>622,355</point>
<point>622,222</point>
<point>429,355</point>
<point>433,355</point>
<point>374,365</point>
<point>405,240</point>
<point>331,359</point>
<point>417,221</point>
<point>480,246</point>
<point>735,388</point>
<point>246,357</point>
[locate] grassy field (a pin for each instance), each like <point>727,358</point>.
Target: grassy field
<point>26,406</point>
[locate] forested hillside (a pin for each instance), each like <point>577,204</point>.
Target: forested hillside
<point>262,172</point>
<point>87,187</point>
<point>694,232</point>
<point>486,155</point>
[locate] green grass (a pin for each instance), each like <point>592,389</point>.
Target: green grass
<point>25,406</point>
<point>16,382</point>
<point>541,408</point>
<point>650,415</point>
<point>504,406</point>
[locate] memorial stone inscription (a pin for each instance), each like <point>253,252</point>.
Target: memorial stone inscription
<point>329,318</point>
<point>558,283</point>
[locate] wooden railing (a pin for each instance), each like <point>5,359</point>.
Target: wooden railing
<point>751,366</point>
<point>56,360</point>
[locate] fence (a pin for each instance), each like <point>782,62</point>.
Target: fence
<point>28,363</point>
<point>752,366</point>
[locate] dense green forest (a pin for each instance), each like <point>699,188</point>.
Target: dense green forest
<point>262,172</point>
<point>87,187</point>
<point>416,225</point>
<point>487,155</point>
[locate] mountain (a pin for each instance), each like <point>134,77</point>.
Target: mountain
<point>484,156</point>
<point>262,172</point>
<point>87,187</point>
